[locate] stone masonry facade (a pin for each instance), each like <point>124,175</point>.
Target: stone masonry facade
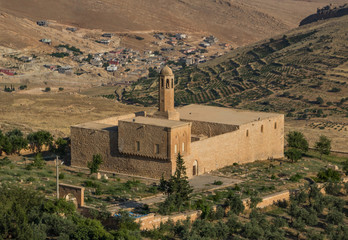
<point>207,137</point>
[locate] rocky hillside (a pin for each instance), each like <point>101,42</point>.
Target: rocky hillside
<point>325,13</point>
<point>297,73</point>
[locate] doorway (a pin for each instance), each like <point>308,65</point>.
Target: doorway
<point>195,168</point>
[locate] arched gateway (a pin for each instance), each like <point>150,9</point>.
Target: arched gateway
<point>76,191</point>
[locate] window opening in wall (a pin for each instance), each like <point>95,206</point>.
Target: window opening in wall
<point>275,125</point>
<point>162,82</point>
<point>157,148</point>
<point>262,128</point>
<point>138,146</point>
<point>172,83</point>
<point>195,168</point>
<point>167,83</point>
<point>247,133</point>
<point>175,148</point>
<point>183,147</point>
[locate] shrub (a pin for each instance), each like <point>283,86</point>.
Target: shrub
<point>217,182</point>
<point>235,203</point>
<point>60,89</point>
<point>323,146</point>
<point>95,163</point>
<point>296,178</point>
<point>61,175</point>
<point>329,175</point>
<point>333,188</point>
<point>335,217</point>
<point>47,89</point>
<point>293,154</point>
<point>5,161</point>
<point>91,184</point>
<point>38,162</point>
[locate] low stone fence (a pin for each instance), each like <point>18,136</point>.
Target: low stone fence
<point>152,220</point>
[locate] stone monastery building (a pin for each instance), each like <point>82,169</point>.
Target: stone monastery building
<point>207,137</point>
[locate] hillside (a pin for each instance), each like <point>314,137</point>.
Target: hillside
<point>241,22</point>
<point>301,66</point>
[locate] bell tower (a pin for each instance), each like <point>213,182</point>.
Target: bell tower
<point>166,95</point>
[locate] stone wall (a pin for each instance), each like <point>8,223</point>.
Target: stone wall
<point>147,136</point>
<point>88,142</point>
<point>258,140</point>
<point>210,129</point>
<point>152,221</point>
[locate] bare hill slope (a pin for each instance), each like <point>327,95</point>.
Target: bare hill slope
<point>285,73</point>
<point>237,20</point>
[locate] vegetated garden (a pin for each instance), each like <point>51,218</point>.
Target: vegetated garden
<point>309,214</point>
<point>37,169</point>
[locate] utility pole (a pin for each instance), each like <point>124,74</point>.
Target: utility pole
<point>57,173</point>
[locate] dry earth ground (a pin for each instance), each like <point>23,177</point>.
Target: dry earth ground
<point>55,112</point>
<point>240,21</point>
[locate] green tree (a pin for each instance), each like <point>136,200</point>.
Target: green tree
<point>2,142</point>
<point>293,154</point>
<point>177,188</point>
<point>297,140</point>
<point>95,163</point>
<point>235,203</point>
<point>323,146</point>
<point>126,227</point>
<point>320,100</point>
<point>39,162</point>
<point>38,139</point>
<point>335,217</point>
<point>59,147</point>
<point>13,142</point>
<point>254,200</point>
<point>329,175</point>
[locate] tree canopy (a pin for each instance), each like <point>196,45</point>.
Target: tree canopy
<point>297,140</point>
<point>177,188</point>
<point>38,139</point>
<point>323,146</point>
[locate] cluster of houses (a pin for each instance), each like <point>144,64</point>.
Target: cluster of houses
<point>208,41</point>
<point>8,72</point>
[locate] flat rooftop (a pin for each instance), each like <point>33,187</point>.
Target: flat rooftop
<point>97,126</point>
<point>221,115</point>
<point>159,122</point>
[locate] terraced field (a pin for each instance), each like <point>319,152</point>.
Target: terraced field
<point>286,74</point>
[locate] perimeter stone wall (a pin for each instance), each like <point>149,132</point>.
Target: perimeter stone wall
<point>259,140</point>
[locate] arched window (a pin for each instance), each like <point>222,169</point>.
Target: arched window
<point>167,83</point>
<point>275,125</point>
<point>162,83</point>
<point>195,168</point>
<point>262,128</point>
<point>172,83</point>
<point>247,133</point>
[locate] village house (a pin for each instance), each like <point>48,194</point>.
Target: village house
<point>107,35</point>
<point>71,29</point>
<point>111,68</point>
<point>46,40</point>
<point>42,23</point>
